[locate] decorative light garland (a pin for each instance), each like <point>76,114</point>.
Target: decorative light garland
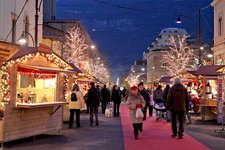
<point>5,77</point>
<point>65,90</point>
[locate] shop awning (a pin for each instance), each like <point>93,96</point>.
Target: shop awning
<point>39,69</point>
<point>210,70</point>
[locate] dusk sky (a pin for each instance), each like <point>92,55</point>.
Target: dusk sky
<point>123,29</point>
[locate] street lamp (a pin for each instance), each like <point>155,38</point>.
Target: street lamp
<point>92,46</point>
<point>23,38</point>
<point>198,26</point>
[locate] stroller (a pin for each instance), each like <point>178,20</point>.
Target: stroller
<point>160,109</point>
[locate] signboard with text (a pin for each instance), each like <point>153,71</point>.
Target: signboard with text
<point>220,99</point>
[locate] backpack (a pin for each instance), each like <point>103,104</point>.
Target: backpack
<point>73,97</point>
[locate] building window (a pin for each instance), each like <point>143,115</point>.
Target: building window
<point>220,25</point>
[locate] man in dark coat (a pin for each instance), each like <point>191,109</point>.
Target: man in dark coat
<point>146,97</point>
<point>177,103</point>
<point>93,100</point>
<point>116,98</point>
<point>105,98</point>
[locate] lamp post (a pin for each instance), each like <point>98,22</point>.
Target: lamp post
<point>23,38</point>
<point>198,26</point>
<point>37,8</point>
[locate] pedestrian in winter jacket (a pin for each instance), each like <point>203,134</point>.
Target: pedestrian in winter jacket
<point>105,98</point>
<point>93,100</point>
<point>177,103</point>
<point>158,98</point>
<point>165,95</point>
<point>134,101</point>
<point>116,98</point>
<point>76,103</point>
<point>146,97</point>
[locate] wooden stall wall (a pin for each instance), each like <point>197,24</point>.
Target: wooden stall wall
<point>20,123</point>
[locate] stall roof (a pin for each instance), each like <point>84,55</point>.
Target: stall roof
<point>166,79</point>
<point>7,50</point>
<point>43,49</point>
<point>75,68</point>
<point>210,70</point>
<point>30,50</point>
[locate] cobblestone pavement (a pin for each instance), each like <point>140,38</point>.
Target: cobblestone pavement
<point>108,135</point>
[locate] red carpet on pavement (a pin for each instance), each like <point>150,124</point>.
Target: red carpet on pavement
<point>156,135</point>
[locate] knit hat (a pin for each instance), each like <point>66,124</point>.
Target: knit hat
<point>133,88</point>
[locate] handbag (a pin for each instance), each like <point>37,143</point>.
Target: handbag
<point>139,113</point>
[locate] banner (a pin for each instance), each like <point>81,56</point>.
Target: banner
<point>220,98</point>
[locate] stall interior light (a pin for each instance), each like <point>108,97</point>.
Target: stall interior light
<point>210,55</point>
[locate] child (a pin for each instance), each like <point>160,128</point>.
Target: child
<point>134,101</point>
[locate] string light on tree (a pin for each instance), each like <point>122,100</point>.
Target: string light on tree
<point>179,56</point>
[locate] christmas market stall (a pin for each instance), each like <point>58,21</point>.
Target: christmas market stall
<point>34,89</point>
<point>210,89</point>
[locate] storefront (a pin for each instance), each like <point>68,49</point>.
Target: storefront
<point>34,85</point>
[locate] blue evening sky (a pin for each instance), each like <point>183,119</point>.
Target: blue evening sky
<point>123,29</point>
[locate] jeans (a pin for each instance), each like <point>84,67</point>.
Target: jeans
<point>180,116</point>
<point>168,115</point>
<point>150,110</point>
<point>116,109</point>
<point>93,110</point>
<point>71,120</point>
<point>137,126</point>
<point>103,106</point>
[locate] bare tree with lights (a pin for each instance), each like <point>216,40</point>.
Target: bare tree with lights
<point>179,57</point>
<point>76,50</point>
<point>133,79</point>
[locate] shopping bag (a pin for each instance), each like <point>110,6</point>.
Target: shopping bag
<point>139,113</point>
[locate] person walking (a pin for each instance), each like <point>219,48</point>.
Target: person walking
<point>93,99</point>
<point>105,98</point>
<point>151,105</point>
<point>76,103</point>
<point>158,98</point>
<point>177,103</point>
<point>124,92</point>
<point>116,98</point>
<point>165,94</point>
<point>134,101</point>
<point>146,97</point>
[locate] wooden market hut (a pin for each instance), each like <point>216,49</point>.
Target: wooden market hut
<point>34,85</point>
<point>211,106</point>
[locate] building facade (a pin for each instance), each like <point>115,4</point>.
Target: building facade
<point>17,17</point>
<point>156,50</point>
<point>139,69</point>
<point>219,31</point>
